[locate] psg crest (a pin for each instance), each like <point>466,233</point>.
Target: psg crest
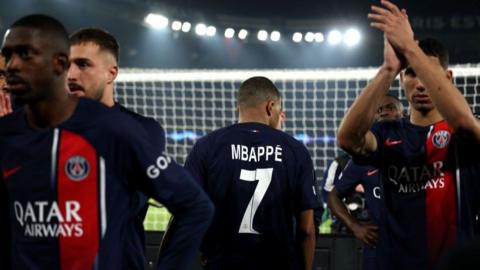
<point>77,168</point>
<point>441,138</point>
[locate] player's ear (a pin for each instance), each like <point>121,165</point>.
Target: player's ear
<point>450,75</point>
<point>112,74</point>
<point>60,63</point>
<point>269,107</point>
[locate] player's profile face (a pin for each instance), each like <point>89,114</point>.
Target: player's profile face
<point>29,63</point>
<point>88,72</point>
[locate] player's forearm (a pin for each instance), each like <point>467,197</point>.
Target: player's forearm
<point>185,234</point>
<point>308,247</point>
<point>361,115</point>
<point>339,210</point>
<point>307,237</point>
<point>449,101</point>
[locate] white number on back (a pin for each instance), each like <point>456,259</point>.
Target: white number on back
<point>264,178</point>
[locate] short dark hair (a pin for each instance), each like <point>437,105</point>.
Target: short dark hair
<point>102,38</point>
<point>256,90</point>
<point>49,26</point>
<point>433,47</point>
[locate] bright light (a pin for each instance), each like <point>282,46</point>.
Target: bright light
<point>186,26</point>
<point>211,30</point>
<point>201,29</point>
<point>334,37</point>
<point>262,35</point>
<point>319,38</point>
<point>243,34</point>
<point>176,25</point>
<point>352,37</point>
<point>309,37</point>
<point>156,21</point>
<point>297,37</point>
<point>275,36</point>
<point>229,33</point>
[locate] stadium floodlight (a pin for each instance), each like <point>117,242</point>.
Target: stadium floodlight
<point>262,35</point>
<point>176,25</point>
<point>352,37</point>
<point>229,33</point>
<point>275,36</point>
<point>297,37</point>
<point>211,31</point>
<point>242,34</point>
<point>201,29</point>
<point>156,21</point>
<point>309,37</point>
<point>319,38</point>
<point>186,26</point>
<point>334,37</point>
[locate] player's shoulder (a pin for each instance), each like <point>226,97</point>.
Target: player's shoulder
<point>147,122</point>
<point>13,123</point>
<point>91,114</point>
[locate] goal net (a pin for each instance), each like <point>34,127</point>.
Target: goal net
<point>191,103</point>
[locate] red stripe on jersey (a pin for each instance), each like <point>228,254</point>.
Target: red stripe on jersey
<point>441,211</point>
<point>78,190</point>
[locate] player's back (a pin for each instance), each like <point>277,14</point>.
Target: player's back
<point>259,179</point>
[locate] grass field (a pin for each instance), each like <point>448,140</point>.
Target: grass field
<point>157,219</point>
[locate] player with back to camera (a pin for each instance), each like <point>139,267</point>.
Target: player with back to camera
<point>260,180</point>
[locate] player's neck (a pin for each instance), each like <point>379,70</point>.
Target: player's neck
<point>52,111</point>
<point>252,117</point>
<point>420,118</point>
<point>107,97</point>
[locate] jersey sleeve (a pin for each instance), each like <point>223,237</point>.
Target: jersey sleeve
<point>306,195</point>
<point>194,163</point>
<point>170,184</point>
<point>349,178</point>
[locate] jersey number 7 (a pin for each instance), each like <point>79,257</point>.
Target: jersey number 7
<point>264,178</point>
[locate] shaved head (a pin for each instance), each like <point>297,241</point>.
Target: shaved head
<point>256,91</point>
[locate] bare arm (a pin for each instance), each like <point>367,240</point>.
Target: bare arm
<point>307,237</point>
<point>366,233</point>
<point>445,96</point>
<point>354,134</point>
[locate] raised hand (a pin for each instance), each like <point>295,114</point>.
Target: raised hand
<point>5,104</point>
<point>394,24</point>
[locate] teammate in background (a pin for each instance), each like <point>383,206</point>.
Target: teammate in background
<point>83,157</point>
<point>260,180</point>
<point>421,158</point>
<point>94,58</point>
<point>5,102</point>
<point>368,177</point>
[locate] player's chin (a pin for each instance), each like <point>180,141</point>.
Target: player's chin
<point>77,93</point>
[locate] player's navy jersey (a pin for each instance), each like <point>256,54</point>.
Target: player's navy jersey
<point>370,178</point>
<point>134,253</point>
<point>428,181</point>
<point>259,179</point>
<point>70,190</point>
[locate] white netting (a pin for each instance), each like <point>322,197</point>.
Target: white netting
<point>192,103</point>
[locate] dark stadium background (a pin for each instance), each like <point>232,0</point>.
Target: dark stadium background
<point>457,23</point>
